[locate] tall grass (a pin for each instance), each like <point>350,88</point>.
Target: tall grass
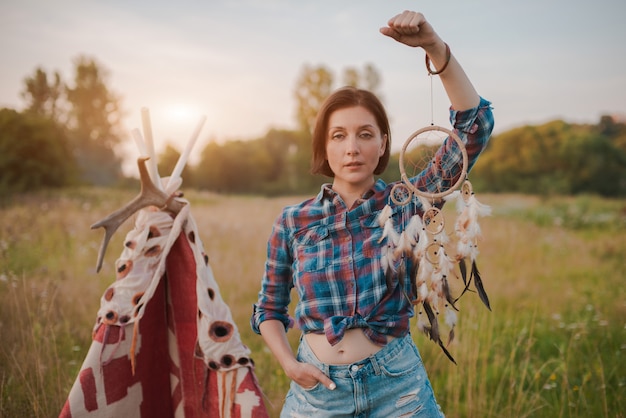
<point>553,346</point>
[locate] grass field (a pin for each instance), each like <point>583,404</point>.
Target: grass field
<point>553,346</point>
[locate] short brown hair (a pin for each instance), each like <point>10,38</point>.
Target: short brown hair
<point>340,99</point>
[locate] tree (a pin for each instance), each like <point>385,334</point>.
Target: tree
<point>316,83</point>
<point>615,129</point>
<point>372,79</point>
<point>94,122</point>
<point>208,172</point>
<point>290,153</point>
<point>554,158</point>
<point>43,97</point>
<point>167,160</point>
<point>351,77</point>
<point>312,88</point>
<point>594,165</point>
<point>369,79</point>
<point>276,164</point>
<point>34,153</point>
<point>235,167</point>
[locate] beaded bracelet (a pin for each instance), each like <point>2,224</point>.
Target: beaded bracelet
<point>430,71</point>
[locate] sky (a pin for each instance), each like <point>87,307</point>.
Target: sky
<point>236,62</point>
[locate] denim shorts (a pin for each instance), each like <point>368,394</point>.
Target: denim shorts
<point>390,383</point>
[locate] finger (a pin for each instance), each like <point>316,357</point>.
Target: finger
<point>387,31</point>
<point>392,22</point>
<point>326,381</point>
<point>416,20</point>
<point>323,379</point>
<point>408,23</point>
<point>406,20</point>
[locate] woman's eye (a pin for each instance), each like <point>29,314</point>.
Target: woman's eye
<point>366,135</point>
<point>337,137</point>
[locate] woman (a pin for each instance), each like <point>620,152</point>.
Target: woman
<point>356,356</point>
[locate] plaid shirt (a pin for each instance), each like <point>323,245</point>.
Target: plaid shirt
<point>332,256</point>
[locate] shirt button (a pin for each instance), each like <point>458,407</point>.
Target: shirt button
<point>354,368</point>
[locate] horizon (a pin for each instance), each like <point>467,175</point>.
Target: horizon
<point>237,62</point>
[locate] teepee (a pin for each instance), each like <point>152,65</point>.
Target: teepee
<point>164,342</point>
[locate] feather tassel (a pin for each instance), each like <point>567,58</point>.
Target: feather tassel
<point>422,243</point>
<point>446,352</point>
<point>448,294</point>
<point>451,319</point>
<point>430,243</point>
<point>434,330</point>
<point>390,233</point>
<point>422,323</point>
<point>478,282</point>
<point>463,270</point>
<point>432,319</point>
<point>403,246</point>
<point>384,215</point>
<point>413,229</point>
<point>422,292</point>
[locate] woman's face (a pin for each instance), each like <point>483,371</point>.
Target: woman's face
<point>354,144</point>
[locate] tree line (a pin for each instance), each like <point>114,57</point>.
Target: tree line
<point>557,158</point>
<point>68,134</point>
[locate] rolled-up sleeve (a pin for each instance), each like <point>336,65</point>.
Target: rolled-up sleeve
<point>274,296</point>
<point>473,126</point>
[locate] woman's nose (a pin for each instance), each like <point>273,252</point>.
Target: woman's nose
<point>352,145</point>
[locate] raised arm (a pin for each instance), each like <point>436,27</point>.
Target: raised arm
<point>412,29</point>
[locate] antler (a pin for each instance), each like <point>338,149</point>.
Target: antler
<point>150,195</point>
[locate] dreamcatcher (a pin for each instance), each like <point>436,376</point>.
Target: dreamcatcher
<point>433,170</point>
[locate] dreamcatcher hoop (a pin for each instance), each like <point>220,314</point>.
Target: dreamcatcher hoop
<point>461,177</point>
<point>400,194</point>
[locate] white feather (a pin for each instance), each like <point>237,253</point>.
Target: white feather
<point>451,317</point>
<point>422,243</point>
<point>384,215</point>
<point>463,247</point>
<point>445,264</point>
<point>422,321</point>
<point>425,271</point>
<point>387,259</point>
<point>390,233</point>
<point>413,229</point>
<point>473,253</point>
<point>422,292</point>
<point>480,208</point>
<point>442,237</point>
<point>403,245</point>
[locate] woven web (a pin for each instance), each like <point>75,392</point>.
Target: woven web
<point>420,158</point>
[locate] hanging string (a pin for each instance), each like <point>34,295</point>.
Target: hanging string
<point>432,107</point>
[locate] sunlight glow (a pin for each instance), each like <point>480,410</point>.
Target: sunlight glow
<point>181,113</point>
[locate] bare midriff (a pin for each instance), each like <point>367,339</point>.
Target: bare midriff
<point>353,347</point>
